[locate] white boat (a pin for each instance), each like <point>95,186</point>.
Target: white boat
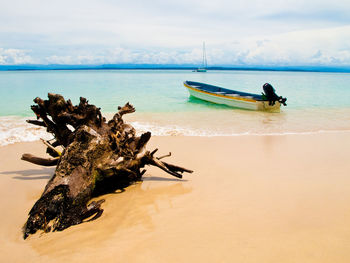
<point>204,66</point>
<point>268,101</point>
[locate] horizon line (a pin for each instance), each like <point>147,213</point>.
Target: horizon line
<point>34,67</point>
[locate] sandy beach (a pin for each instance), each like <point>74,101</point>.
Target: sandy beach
<point>270,198</point>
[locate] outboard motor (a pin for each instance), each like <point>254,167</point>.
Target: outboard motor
<point>271,96</point>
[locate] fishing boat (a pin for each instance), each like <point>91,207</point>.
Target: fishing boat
<point>267,101</point>
<point>204,66</point>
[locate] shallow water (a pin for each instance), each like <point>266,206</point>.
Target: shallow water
<point>316,101</point>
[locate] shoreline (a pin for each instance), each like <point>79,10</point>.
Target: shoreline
<point>219,123</point>
<point>251,198</point>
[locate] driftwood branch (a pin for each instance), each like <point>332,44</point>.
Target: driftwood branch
<point>98,157</point>
<point>164,156</point>
<point>38,123</point>
<point>51,147</point>
<point>38,160</point>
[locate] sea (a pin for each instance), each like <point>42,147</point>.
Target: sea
<point>316,101</point>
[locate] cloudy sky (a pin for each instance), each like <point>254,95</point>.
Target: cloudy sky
<point>236,32</point>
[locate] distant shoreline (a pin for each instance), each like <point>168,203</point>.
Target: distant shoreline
<point>169,67</point>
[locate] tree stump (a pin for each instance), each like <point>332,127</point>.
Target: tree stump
<point>98,157</point>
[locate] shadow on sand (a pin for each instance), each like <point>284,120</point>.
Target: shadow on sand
<point>132,211</point>
<point>31,174</point>
<point>157,178</point>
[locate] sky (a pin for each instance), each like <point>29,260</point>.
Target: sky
<point>236,32</point>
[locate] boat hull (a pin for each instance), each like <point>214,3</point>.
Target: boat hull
<point>200,70</point>
<point>233,101</point>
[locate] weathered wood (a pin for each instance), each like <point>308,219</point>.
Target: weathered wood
<point>98,157</point>
<point>164,156</point>
<point>38,160</point>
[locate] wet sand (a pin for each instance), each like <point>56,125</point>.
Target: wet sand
<point>251,199</point>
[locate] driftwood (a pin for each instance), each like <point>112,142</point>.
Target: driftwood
<point>98,157</point>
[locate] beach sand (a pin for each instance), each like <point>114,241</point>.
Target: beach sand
<point>259,199</point>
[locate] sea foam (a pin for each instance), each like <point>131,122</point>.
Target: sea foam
<point>16,129</point>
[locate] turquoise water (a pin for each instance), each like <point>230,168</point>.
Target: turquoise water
<point>316,101</point>
<point>162,90</point>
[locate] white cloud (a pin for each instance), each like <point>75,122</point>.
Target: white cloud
<point>308,47</point>
<point>168,31</point>
<point>14,56</point>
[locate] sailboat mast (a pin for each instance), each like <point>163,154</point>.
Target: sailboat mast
<point>202,68</point>
<point>204,62</point>
<point>204,56</point>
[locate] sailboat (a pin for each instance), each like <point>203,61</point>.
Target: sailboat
<point>203,68</point>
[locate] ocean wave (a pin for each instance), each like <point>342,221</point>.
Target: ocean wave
<point>175,130</point>
<point>16,129</point>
